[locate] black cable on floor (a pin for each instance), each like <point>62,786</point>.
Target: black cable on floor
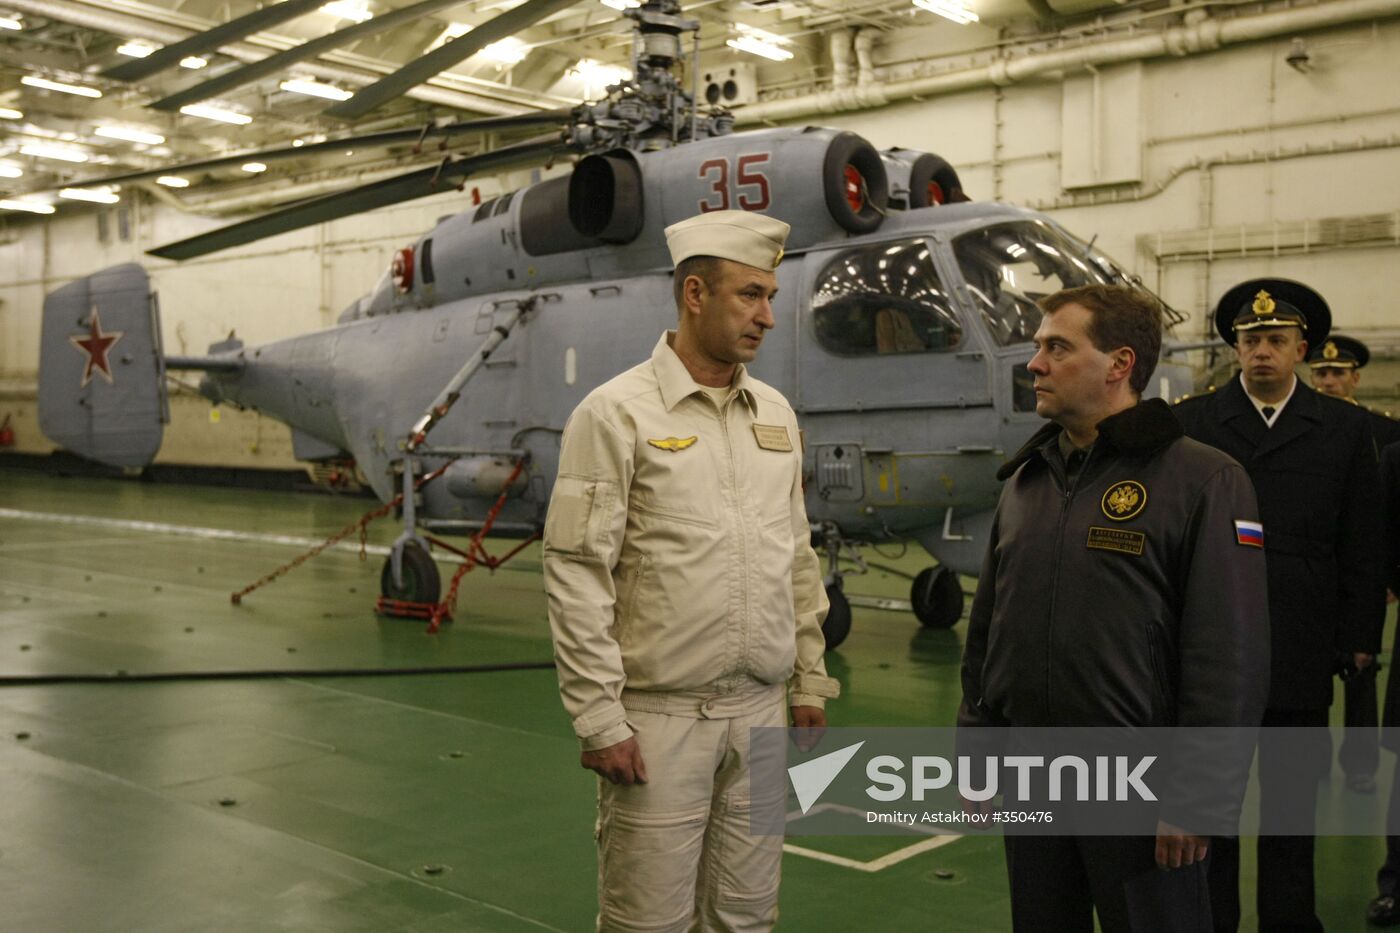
<point>125,677</point>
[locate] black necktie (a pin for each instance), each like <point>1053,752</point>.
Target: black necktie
<point>1269,412</point>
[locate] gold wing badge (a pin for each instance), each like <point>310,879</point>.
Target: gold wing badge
<point>672,444</point>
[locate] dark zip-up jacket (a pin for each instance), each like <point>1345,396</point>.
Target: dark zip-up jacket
<point>1126,598</point>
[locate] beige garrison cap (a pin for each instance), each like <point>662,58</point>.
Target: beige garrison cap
<point>742,236</point>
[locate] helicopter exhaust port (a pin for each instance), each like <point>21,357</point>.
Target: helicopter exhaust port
<point>922,179</point>
<point>605,197</point>
<point>854,182</point>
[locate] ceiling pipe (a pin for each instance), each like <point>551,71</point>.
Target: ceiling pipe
<point>865,63</point>
<point>1201,35</point>
<point>840,40</point>
<point>127,24</point>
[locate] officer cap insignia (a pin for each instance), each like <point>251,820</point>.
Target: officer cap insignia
<point>672,444</point>
<point>1330,351</point>
<point>1261,303</point>
<point>1124,500</point>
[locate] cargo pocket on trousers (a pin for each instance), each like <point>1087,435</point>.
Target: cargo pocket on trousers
<point>749,866</point>
<point>646,866</point>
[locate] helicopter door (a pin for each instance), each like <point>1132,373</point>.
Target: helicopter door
<point>881,332</point>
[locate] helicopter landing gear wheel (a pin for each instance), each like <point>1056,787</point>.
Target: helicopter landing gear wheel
<point>937,597</point>
<point>838,619</point>
<point>421,583</point>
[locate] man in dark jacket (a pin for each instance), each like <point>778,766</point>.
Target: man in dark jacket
<point>1314,469</point>
<point>1384,909</point>
<point>1123,586</point>
<point>1336,365</point>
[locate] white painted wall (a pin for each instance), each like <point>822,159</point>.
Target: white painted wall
<point>1210,129</point>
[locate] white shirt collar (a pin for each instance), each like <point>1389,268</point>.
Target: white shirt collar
<point>1276,406</point>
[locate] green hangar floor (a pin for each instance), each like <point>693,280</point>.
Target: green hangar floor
<point>378,803</point>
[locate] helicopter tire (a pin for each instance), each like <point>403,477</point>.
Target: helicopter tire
<point>937,597</point>
<point>933,181</point>
<point>421,583</point>
<point>838,618</point>
<point>848,149</point>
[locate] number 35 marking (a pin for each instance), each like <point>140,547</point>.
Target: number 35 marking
<point>751,184</point>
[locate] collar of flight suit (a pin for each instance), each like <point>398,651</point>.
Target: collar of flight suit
<point>1148,426</point>
<point>676,383</point>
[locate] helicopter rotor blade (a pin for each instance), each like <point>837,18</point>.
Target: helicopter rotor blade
<point>396,190</point>
<point>247,74</point>
<point>440,59</point>
<point>366,141</point>
<point>211,39</point>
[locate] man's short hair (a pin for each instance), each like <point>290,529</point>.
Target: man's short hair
<point>709,269</point>
<point>1119,316</point>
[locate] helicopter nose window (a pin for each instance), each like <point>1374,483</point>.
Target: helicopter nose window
<point>1009,266</point>
<point>884,299</point>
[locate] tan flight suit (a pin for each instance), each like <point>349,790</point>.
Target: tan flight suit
<point>684,596</point>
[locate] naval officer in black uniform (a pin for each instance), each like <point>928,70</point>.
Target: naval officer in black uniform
<point>1314,469</point>
<point>1336,366</point>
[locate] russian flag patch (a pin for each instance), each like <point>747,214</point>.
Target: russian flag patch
<point>1250,534</point>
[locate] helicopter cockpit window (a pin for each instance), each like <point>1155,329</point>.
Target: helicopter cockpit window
<point>1008,267</point>
<point>884,299</point>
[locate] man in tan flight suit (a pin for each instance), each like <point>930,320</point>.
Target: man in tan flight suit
<point>684,595</point>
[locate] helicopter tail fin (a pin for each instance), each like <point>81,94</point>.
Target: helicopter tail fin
<point>101,374</point>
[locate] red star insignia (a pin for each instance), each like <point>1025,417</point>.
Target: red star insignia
<point>95,347</point>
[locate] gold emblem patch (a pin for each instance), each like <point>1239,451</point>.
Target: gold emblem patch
<point>672,444</point>
<point>1124,500</point>
<point>1329,352</point>
<point>1263,303</point>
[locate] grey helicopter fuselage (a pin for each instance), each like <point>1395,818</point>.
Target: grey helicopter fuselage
<point>902,349</point>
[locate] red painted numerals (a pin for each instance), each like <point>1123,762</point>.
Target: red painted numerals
<point>751,190</point>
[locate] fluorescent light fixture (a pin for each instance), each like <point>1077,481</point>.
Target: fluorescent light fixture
<point>358,10</point>
<point>254,168</point>
<point>130,135</point>
<point>46,151</point>
<point>622,4</point>
<point>7,113</point>
<point>298,143</point>
<point>95,195</point>
<point>315,89</point>
<point>59,86</point>
<point>509,51</point>
<point>135,49</point>
<point>193,62</point>
<point>453,31</point>
<point>11,22</point>
<point>33,207</point>
<point>760,42</point>
<point>210,112</point>
<point>11,171</point>
<point>173,181</point>
<point>948,9</point>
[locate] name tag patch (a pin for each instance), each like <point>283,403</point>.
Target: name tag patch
<point>772,437</point>
<point>1117,539</point>
<point>1250,534</point>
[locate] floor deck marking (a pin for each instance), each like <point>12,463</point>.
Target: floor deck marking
<point>220,534</point>
<point>421,709</point>
<point>937,839</point>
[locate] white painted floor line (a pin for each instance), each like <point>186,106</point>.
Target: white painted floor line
<point>879,864</point>
<point>935,841</point>
<point>196,531</point>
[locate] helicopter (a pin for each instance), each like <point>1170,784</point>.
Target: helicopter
<point>904,316</point>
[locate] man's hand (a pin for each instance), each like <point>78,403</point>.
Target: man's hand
<point>809,723</point>
<point>1362,660</point>
<point>621,763</point>
<point>1176,847</point>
